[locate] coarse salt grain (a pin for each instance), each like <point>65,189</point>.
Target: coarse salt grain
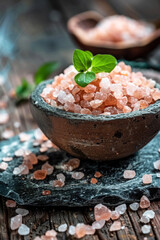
<point>10,203</point>
<point>71,230</point>
<point>46,192</point>
<point>62,228</point>
<point>97,174</point>
<point>144,202</point>
<point>145,219</point>
<point>72,164</point>
<point>16,222</point>
<point>101,212</point>
<point>149,213</point>
<point>134,206</point>
<point>3,166</point>
<point>51,233</point>
<point>49,168</point>
<point>129,174</point>
<point>157,165</point>
<point>146,229</point>
<point>23,230</point>
<point>147,179</point>
<point>121,209</point>
<point>77,175</point>
<point>98,224</point>
<point>115,215</point>
<point>94,180</point>
<point>40,174</point>
<point>22,211</point>
<point>116,226</point>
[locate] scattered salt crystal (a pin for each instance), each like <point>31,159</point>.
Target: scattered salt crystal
<point>62,228</point>
<point>157,164</point>
<point>32,158</point>
<point>4,117</point>
<point>149,213</point>
<point>21,170</point>
<point>22,211</point>
<point>7,159</point>
<point>129,174</point>
<point>144,219</point>
<point>101,212</point>
<point>77,175</point>
<point>46,192</point>
<point>134,206</point>
<point>7,134</point>
<point>98,174</point>
<point>80,230</point>
<point>94,180</point>
<point>98,224</point>
<point>40,174</point>
<point>10,203</point>
<point>71,230</point>
<point>61,177</point>
<point>72,164</point>
<point>89,230</point>
<point>3,166</point>
<point>23,230</point>
<point>146,229</point>
<point>121,208</point>
<point>49,168</point>
<point>144,202</point>
<point>42,157</point>
<point>158,175</point>
<point>116,226</point>
<point>51,233</point>
<point>24,137</point>
<point>115,215</point>
<point>19,153</point>
<point>58,183</point>
<point>16,222</point>
<point>43,149</point>
<point>147,179</point>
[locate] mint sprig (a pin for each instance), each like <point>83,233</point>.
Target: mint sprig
<point>88,65</point>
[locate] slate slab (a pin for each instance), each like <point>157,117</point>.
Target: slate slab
<point>111,189</point>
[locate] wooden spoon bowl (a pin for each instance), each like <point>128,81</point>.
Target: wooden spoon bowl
<point>79,24</point>
<point>95,137</point>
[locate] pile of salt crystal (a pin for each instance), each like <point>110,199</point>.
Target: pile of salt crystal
<point>72,164</point>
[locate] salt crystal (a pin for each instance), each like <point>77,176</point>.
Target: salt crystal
<point>116,226</point>
<point>16,222</point>
<point>24,137</point>
<point>146,229</point>
<point>157,164</point>
<point>96,103</point>
<point>42,157</point>
<point>158,175</point>
<point>19,153</point>
<point>72,164</point>
<point>121,208</point>
<point>10,203</point>
<point>61,177</point>
<point>134,206</point>
<point>101,212</point>
<point>49,168</point>
<point>98,174</point>
<point>51,233</point>
<point>46,192</point>
<point>129,174</point>
<point>32,158</point>
<point>7,134</point>
<point>62,228</point>
<point>77,175</point>
<point>71,230</point>
<point>115,215</point>
<point>144,219</point>
<point>144,202</point>
<point>23,230</point>
<point>3,166</point>
<point>89,230</point>
<point>147,179</point>
<point>80,230</point>
<point>40,174</point>
<point>7,159</point>
<point>149,213</point>
<point>22,211</point>
<point>4,117</point>
<point>58,183</point>
<point>98,224</point>
<point>22,169</point>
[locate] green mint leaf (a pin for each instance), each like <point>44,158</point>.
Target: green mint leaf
<point>89,53</point>
<point>24,90</point>
<point>45,71</point>
<point>82,60</point>
<point>103,63</point>
<point>83,79</point>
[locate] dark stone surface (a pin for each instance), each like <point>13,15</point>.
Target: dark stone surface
<point>111,189</point>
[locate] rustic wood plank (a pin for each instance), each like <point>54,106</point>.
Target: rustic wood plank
<point>4,229</point>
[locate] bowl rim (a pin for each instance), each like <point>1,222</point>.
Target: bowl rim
<point>98,43</point>
<point>39,103</point>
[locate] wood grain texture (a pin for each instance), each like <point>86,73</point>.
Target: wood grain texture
<point>45,40</point>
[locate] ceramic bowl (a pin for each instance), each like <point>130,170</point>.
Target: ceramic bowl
<point>79,24</point>
<point>95,137</point>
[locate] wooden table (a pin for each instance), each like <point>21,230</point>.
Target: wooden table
<point>39,35</point>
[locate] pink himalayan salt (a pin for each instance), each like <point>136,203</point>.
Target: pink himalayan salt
<point>94,180</point>
<point>21,170</point>
<point>71,230</point>
<point>116,226</point>
<point>72,164</point>
<point>129,174</point>
<point>51,233</point>
<point>77,175</point>
<point>134,206</point>
<point>144,202</point>
<point>4,117</point>
<point>147,179</point>
<point>7,159</point>
<point>42,157</point>
<point>58,183</point>
<point>98,224</point>
<point>157,164</point>
<point>7,134</point>
<point>40,174</point>
<point>101,212</point>
<point>98,174</point>
<point>49,168</point>
<point>43,149</point>
<point>46,192</point>
<point>121,208</point>
<point>3,166</point>
<point>16,222</point>
<point>24,137</point>
<point>10,203</point>
<point>115,215</point>
<point>81,230</point>
<point>61,177</point>
<point>121,90</point>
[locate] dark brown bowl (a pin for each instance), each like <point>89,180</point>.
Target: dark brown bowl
<point>82,22</point>
<point>95,137</point>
